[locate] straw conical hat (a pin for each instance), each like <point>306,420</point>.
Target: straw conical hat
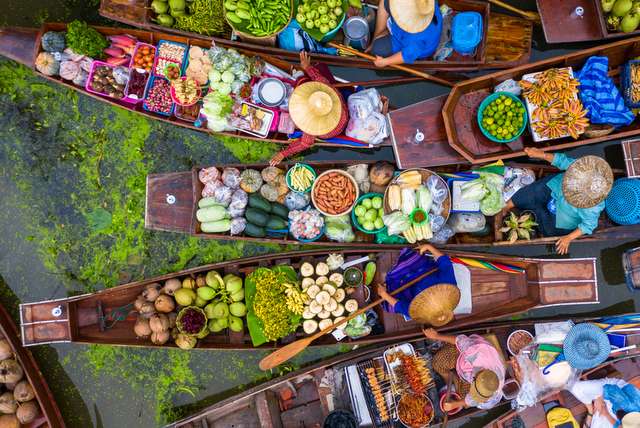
<point>315,108</point>
<point>631,420</point>
<point>413,16</point>
<point>435,305</point>
<point>587,182</point>
<point>484,385</point>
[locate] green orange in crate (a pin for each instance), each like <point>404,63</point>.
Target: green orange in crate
<point>502,117</point>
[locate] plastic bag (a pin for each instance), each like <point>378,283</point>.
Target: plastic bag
<point>239,200</point>
<point>467,222</point>
<point>515,179</point>
<point>371,129</point>
<point>210,188</point>
<point>238,225</point>
<point>222,195</point>
<point>339,229</point>
<point>443,235</point>
<point>437,188</point>
<point>296,201</point>
<point>436,221</point>
<point>396,222</point>
<point>360,173</point>
<point>207,175</point>
<point>231,177</point>
<point>364,103</point>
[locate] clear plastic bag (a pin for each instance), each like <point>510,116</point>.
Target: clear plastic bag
<point>238,225</point>
<point>443,235</point>
<point>296,201</point>
<point>364,103</point>
<point>436,222</point>
<point>371,129</point>
<point>239,200</point>
<point>437,188</point>
<point>339,229</point>
<point>360,173</point>
<point>467,222</point>
<point>515,179</point>
<point>231,177</point>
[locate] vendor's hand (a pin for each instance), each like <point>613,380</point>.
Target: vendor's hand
<point>599,406</point>
<point>305,60</point>
<point>380,62</point>
<point>562,244</point>
<point>276,159</point>
<point>447,407</point>
<point>535,153</point>
<point>425,248</point>
<point>431,333</point>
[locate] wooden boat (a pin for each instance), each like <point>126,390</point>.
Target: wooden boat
<point>328,385</point>
<point>90,318</point>
<point>631,153</point>
<point>563,24</point>
<point>449,122</point>
<point>23,45</point>
<point>172,202</point>
<point>506,44</point>
<point>50,415</point>
<point>627,368</point>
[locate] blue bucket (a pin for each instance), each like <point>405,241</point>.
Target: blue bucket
<point>623,202</point>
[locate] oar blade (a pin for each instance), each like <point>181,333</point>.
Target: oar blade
<point>285,353</point>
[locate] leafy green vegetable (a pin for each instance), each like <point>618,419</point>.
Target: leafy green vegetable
<point>85,40</point>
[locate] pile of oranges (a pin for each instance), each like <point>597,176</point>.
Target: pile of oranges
<point>144,57</point>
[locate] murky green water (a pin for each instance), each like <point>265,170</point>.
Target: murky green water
<point>71,220</point>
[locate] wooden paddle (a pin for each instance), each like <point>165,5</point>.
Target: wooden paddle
<point>291,350</point>
<point>526,14</point>
<point>397,66</point>
<point>446,398</point>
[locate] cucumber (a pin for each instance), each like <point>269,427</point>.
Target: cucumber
<point>256,216</point>
<point>276,223</point>
<point>242,14</point>
<point>280,210</point>
<point>212,213</point>
<point>254,231</point>
<point>257,201</point>
<point>207,202</point>
<point>231,16</point>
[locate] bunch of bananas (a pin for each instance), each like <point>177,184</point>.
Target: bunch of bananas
<point>294,298</point>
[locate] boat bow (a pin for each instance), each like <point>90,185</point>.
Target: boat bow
<point>19,44</point>
<point>170,202</point>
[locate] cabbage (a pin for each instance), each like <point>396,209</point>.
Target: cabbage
<point>424,198</point>
<point>217,124</point>
<point>473,190</point>
<point>214,76</point>
<point>396,222</point>
<point>339,229</point>
<point>224,88</point>
<point>493,202</point>
<point>227,77</point>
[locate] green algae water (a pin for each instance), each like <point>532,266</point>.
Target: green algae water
<point>72,186</point>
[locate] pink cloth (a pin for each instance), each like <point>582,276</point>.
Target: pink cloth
<point>476,354</point>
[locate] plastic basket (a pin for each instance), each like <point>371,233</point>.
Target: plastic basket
<point>623,203</point>
<point>354,218</point>
<point>627,84</point>
<point>150,82</point>
<point>486,102</point>
<point>305,166</point>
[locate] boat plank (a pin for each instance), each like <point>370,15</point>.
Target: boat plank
<point>170,204</point>
<point>631,152</point>
<point>425,117</point>
<point>561,293</point>
<point>561,25</point>
<point>508,39</point>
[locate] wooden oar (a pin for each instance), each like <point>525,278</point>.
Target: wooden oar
<point>446,398</point>
<point>291,350</point>
<point>397,67</point>
<point>526,14</point>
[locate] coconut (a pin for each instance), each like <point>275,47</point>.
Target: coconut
<point>307,282</point>
<point>10,371</point>
<point>306,269</point>
<point>164,303</point>
<point>322,280</point>
<point>159,323</point>
<point>331,306</point>
<point>307,314</point>
<point>160,337</point>
<point>340,295</point>
<point>323,297</point>
<point>5,350</point>
<point>315,307</point>
<point>322,269</point>
<point>151,292</point>
<point>171,285</point>
<point>329,288</point>
<point>147,309</point>
<point>10,386</point>
<point>338,311</point>
<point>188,282</point>
<point>325,323</point>
<point>324,314</point>
<point>309,326</point>
<point>27,412</point>
<point>186,342</point>
<point>172,319</point>
<point>200,281</point>
<point>8,404</point>
<point>23,391</point>
<point>9,421</point>
<point>351,305</point>
<point>142,328</point>
<point>137,305</point>
<point>313,291</point>
<point>337,279</point>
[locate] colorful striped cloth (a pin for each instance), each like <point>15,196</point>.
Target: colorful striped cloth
<point>600,96</point>
<point>487,265</point>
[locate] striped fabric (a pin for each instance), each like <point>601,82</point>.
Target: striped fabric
<point>600,96</point>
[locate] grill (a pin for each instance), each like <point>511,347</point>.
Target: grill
<point>384,385</point>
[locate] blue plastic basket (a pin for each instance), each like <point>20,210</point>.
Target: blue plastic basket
<point>627,84</point>
<point>623,203</point>
<point>146,93</point>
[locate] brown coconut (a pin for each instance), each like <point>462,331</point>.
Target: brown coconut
<point>165,303</point>
<point>158,323</point>
<point>8,404</point>
<point>142,328</point>
<point>27,412</point>
<point>10,371</point>
<point>152,292</point>
<point>9,421</point>
<point>23,391</point>
<point>160,337</point>
<point>5,350</point>
<point>171,286</point>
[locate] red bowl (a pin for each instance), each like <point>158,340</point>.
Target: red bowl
<point>453,396</point>
<point>175,99</point>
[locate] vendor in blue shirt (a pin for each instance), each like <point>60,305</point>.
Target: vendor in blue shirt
<point>406,30</point>
<point>419,306</point>
<point>567,204</point>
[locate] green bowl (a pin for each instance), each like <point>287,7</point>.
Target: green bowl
<point>354,218</point>
<point>314,32</point>
<point>488,101</point>
<point>288,178</point>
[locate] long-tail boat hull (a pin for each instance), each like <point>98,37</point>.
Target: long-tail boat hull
<point>172,202</point>
<point>507,42</point>
<point>23,45</point>
<point>50,415</point>
<point>448,126</point>
<point>332,384</point>
<point>90,318</point>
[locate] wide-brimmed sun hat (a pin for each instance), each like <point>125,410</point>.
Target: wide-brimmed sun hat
<point>485,384</point>
<point>630,420</point>
<point>587,182</point>
<point>586,346</point>
<point>435,305</point>
<point>315,108</point>
<point>413,16</point>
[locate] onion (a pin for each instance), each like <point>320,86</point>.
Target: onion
<point>8,404</point>
<point>10,371</point>
<point>5,349</point>
<point>142,328</point>
<point>27,412</point>
<point>23,391</point>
